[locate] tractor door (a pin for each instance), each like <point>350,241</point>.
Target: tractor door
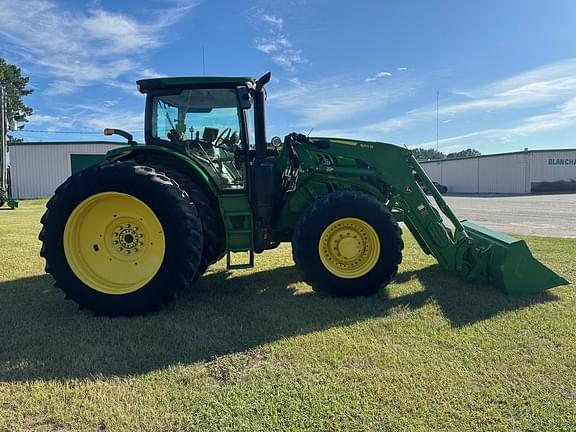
<point>206,125</point>
<point>209,126</point>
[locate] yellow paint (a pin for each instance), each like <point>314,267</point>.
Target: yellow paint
<point>114,243</point>
<point>349,248</point>
<point>345,142</point>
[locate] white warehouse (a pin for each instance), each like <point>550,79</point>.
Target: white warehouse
<point>38,168</point>
<point>529,171</point>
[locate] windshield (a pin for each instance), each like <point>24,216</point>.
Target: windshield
<point>195,114</point>
<point>205,124</point>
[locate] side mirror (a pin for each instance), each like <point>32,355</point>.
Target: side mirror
<point>120,132</point>
<point>244,97</point>
<point>276,142</point>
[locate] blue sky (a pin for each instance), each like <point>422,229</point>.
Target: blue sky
<point>505,70</point>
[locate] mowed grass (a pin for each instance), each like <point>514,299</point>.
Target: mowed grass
<point>258,350</point>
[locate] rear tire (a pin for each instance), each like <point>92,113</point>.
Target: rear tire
<point>121,239</point>
<point>347,244</point>
<point>212,226</point>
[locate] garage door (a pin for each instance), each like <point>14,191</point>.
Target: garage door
<point>78,162</point>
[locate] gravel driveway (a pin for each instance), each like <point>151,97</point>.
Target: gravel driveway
<point>540,215</point>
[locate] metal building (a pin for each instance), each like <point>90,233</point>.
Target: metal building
<point>38,168</point>
<point>529,171</point>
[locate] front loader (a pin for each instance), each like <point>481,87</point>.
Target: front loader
<point>123,237</point>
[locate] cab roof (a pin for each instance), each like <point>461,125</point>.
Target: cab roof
<point>147,85</point>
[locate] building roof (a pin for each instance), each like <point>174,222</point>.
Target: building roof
<point>498,154</point>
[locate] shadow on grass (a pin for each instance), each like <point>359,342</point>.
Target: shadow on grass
<point>43,336</point>
<point>464,303</point>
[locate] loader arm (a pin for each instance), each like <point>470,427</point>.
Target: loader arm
<point>475,253</point>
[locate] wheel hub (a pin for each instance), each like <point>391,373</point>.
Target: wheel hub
<point>128,238</point>
<point>349,248</point>
<point>114,243</point>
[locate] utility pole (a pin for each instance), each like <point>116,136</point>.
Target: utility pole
<point>3,144</point>
<point>4,125</point>
<point>203,62</point>
<point>437,116</point>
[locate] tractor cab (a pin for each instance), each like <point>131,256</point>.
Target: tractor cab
<point>204,119</point>
<point>218,124</point>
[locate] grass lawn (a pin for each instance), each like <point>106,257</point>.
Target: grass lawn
<point>258,350</point>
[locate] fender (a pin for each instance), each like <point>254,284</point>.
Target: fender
<point>187,163</point>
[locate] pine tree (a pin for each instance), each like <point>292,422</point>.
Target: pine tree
<point>14,85</point>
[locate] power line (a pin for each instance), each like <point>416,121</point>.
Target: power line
<point>64,132</point>
<point>437,116</point>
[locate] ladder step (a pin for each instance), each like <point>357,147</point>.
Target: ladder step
<point>231,266</point>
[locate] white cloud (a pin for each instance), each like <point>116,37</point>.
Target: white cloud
<point>42,120</point>
<point>563,116</point>
<point>277,21</point>
<point>276,42</point>
<point>321,102</point>
<point>82,119</point>
<point>402,68</point>
<point>378,75</point>
<point>544,85</point>
<point>550,89</point>
<point>78,49</point>
<point>266,48</point>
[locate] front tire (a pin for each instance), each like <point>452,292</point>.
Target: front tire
<point>347,244</point>
<point>121,239</point>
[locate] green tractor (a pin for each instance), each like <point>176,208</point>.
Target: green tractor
<point>123,237</point>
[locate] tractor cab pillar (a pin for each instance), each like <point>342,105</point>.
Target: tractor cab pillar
<point>263,188</point>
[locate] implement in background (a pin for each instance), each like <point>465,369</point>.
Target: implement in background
<point>4,122</point>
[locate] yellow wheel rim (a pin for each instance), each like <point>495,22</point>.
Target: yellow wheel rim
<point>114,243</point>
<point>349,248</point>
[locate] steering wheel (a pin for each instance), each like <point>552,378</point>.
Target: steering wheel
<point>229,130</point>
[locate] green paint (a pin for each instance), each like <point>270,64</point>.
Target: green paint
<point>508,263</point>
<point>129,152</point>
<point>237,215</point>
<point>6,199</point>
<point>385,171</point>
<point>79,162</point>
<point>562,162</point>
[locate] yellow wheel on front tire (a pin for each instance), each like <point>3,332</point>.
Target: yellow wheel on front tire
<point>349,248</point>
<point>114,243</point>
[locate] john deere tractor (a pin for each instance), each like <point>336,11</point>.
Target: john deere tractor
<point>123,237</point>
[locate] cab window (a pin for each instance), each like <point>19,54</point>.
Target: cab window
<point>206,125</point>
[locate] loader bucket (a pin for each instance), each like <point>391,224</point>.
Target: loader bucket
<point>510,264</point>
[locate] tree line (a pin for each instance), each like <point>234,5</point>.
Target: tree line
<point>15,88</point>
<point>431,154</point>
